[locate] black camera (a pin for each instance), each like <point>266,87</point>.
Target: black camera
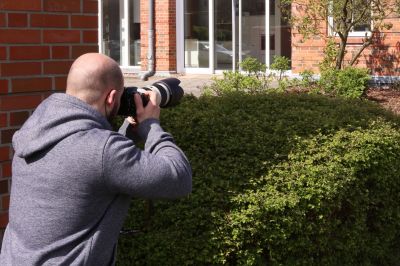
<point>167,90</point>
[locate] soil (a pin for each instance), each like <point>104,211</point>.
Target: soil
<point>388,98</point>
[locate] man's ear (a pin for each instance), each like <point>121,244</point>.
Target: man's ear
<point>111,97</point>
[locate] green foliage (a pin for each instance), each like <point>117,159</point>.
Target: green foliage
<point>328,81</point>
<point>279,179</point>
<point>306,83</point>
<point>253,66</point>
<point>349,82</point>
<point>331,52</point>
<point>307,79</point>
<point>325,205</point>
<point>280,64</point>
<point>255,79</point>
<point>234,81</point>
<point>352,82</point>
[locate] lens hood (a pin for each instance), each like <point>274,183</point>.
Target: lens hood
<point>170,91</point>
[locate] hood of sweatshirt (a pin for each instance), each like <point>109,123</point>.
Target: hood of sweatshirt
<point>56,118</point>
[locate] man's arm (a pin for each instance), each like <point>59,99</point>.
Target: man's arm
<point>160,171</point>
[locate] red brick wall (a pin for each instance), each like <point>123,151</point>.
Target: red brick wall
<point>39,39</point>
<point>165,34</point>
<point>383,58</point>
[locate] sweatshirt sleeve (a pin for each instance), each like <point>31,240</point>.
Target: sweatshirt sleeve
<point>161,170</point>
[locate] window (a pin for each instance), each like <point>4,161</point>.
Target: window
<point>360,15</point>
<point>120,31</point>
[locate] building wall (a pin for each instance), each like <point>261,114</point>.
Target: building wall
<point>165,35</point>
<point>383,57</point>
<point>39,39</point>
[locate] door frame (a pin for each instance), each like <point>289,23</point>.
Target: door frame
<point>124,33</point>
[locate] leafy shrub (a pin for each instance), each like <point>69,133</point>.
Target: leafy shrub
<point>255,79</point>
<point>279,179</point>
<point>234,81</point>
<point>328,204</point>
<point>280,64</point>
<point>306,83</point>
<point>328,81</point>
<point>253,66</point>
<point>349,83</point>
<point>307,77</point>
<point>352,82</point>
<point>330,52</point>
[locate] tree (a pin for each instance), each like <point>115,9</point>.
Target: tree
<point>342,18</point>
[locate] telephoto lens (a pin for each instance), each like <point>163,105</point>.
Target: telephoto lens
<point>168,93</point>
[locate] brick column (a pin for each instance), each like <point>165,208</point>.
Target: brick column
<point>39,39</point>
<point>165,34</point>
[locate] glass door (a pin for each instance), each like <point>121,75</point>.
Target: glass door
<point>280,32</point>
<point>134,33</point>
<point>239,32</point>
<point>120,31</point>
<point>252,37</point>
<point>196,32</point>
<point>220,33</point>
<point>223,34</point>
<point>111,36</point>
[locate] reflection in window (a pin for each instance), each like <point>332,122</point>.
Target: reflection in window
<point>280,39</point>
<point>223,34</point>
<point>134,32</point>
<point>253,28</point>
<point>111,30</point>
<point>196,33</point>
<point>363,21</point>
<point>359,18</point>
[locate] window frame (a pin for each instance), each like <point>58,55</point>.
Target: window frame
<point>352,33</point>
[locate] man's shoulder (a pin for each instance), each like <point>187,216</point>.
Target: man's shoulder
<point>96,136</point>
<point>101,137</point>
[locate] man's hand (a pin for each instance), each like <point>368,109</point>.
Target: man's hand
<point>152,110</point>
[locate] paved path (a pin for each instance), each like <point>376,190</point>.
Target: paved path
<point>191,83</point>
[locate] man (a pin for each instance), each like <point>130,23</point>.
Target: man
<point>73,177</point>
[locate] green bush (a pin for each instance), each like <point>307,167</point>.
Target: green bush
<point>253,80</point>
<point>280,64</point>
<point>330,203</point>
<point>234,81</point>
<point>352,82</point>
<point>279,179</point>
<point>349,82</point>
<point>253,66</point>
<point>331,52</point>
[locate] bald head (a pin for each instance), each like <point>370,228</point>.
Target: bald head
<point>92,76</point>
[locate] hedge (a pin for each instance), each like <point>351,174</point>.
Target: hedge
<point>278,179</point>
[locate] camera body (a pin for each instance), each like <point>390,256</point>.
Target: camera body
<point>168,93</point>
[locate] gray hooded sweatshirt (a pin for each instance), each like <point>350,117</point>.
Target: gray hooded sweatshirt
<point>73,178</point>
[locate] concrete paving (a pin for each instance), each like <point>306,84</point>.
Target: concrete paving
<point>191,83</point>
